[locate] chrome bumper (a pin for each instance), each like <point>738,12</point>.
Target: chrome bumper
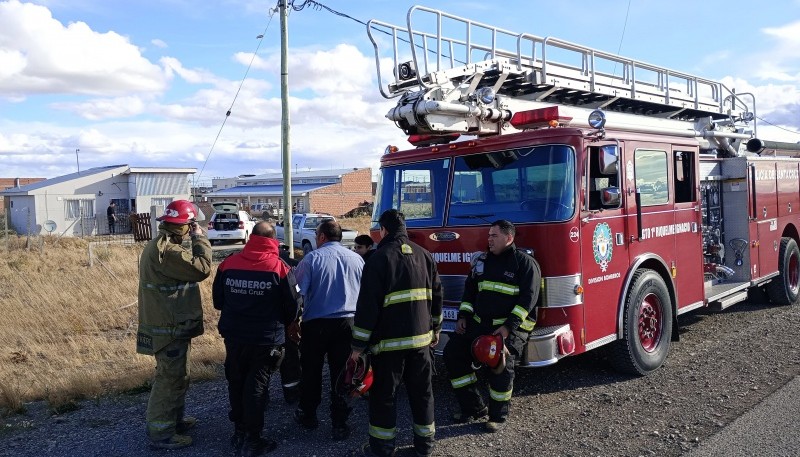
<point>542,348</point>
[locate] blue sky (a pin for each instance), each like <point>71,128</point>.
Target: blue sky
<point>148,82</point>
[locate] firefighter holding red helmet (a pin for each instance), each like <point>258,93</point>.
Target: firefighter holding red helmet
<point>170,315</point>
<point>494,320</point>
<point>398,318</point>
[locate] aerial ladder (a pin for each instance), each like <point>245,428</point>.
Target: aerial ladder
<point>452,75</point>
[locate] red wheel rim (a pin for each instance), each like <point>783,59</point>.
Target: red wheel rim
<point>650,322</point>
<point>793,275</point>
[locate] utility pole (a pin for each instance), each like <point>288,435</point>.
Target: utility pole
<point>286,156</point>
<point>78,161</point>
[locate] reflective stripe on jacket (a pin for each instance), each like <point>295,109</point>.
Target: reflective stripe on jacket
<point>170,306</point>
<point>400,301</point>
<point>502,291</point>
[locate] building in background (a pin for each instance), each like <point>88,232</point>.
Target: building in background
<point>75,204</point>
<point>9,183</point>
<point>335,192</point>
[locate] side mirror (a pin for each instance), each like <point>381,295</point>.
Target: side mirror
<point>610,196</point>
<point>608,160</point>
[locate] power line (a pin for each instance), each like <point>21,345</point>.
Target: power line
<point>241,83</point>
<point>319,6</point>
<point>621,38</point>
<point>778,126</point>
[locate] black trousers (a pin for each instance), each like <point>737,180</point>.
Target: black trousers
<point>413,367</point>
<point>290,366</point>
<point>459,362</point>
<point>248,369</point>
<point>321,338</point>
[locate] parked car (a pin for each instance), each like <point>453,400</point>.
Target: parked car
<point>229,223</point>
<point>304,231</point>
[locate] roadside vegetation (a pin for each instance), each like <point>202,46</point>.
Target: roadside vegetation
<point>67,330</point>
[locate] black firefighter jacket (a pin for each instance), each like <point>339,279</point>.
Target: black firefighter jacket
<point>257,294</point>
<point>501,290</point>
<point>400,301</point>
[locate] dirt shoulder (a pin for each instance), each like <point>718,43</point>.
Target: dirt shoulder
<point>725,364</point>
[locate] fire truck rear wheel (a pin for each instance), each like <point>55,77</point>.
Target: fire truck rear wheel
<point>784,289</point>
<point>647,326</point>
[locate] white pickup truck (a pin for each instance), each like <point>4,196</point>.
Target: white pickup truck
<point>304,231</point>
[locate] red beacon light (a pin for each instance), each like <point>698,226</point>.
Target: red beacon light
<point>538,118</point>
<point>430,140</point>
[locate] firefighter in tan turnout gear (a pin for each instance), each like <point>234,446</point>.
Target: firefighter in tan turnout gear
<point>170,315</point>
<point>499,297</point>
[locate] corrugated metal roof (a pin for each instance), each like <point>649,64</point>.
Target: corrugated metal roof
<point>120,169</point>
<point>303,174</point>
<point>61,179</point>
<point>274,190</point>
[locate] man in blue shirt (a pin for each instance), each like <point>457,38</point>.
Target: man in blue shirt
<point>329,279</point>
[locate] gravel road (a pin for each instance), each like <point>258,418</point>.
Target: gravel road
<point>725,364</point>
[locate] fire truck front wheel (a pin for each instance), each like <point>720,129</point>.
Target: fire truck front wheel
<point>647,326</point>
<point>784,289</point>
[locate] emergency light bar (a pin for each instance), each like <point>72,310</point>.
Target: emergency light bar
<point>538,118</point>
<point>429,140</point>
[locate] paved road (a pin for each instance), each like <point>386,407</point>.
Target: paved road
<point>768,430</point>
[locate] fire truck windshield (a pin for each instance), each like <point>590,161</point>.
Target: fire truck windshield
<point>523,185</point>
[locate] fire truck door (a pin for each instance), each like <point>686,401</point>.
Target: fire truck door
<point>653,229</point>
<point>764,213</point>
<point>603,243</point>
<point>688,271</point>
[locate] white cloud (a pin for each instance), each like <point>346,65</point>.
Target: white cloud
<point>341,70</point>
<point>38,54</point>
<point>780,59</point>
<point>158,43</point>
<point>105,108</point>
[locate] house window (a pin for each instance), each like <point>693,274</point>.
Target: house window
<point>73,209</point>
<point>161,201</point>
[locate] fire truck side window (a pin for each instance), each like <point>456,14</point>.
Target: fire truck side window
<point>684,177</point>
<point>652,182</point>
<point>598,181</point>
<point>417,189</point>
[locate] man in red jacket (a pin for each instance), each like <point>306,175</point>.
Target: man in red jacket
<point>258,296</point>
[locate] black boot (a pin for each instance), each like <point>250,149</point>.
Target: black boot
<point>255,445</point>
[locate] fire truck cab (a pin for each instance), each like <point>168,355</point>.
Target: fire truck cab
<point>643,195</point>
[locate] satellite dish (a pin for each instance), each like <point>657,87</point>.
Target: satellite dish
<point>49,225</point>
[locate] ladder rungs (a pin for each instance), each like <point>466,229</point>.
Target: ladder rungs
<point>534,72</point>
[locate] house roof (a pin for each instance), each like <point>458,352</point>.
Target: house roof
<point>126,169</point>
<point>22,190</point>
<point>302,174</point>
<point>161,170</point>
<point>272,190</point>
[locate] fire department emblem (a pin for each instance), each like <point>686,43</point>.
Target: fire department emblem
<point>602,245</point>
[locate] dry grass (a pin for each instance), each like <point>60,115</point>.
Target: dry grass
<point>67,331</point>
<point>360,223</point>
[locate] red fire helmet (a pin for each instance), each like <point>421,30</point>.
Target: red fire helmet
<point>179,212</point>
<point>355,378</point>
<point>488,350</point>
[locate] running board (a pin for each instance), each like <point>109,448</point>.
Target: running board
<point>730,300</point>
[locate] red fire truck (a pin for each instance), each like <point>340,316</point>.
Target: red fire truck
<point>644,193</point>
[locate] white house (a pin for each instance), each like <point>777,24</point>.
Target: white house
<point>76,204</point>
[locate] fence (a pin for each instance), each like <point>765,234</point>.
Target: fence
<point>141,226</point>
